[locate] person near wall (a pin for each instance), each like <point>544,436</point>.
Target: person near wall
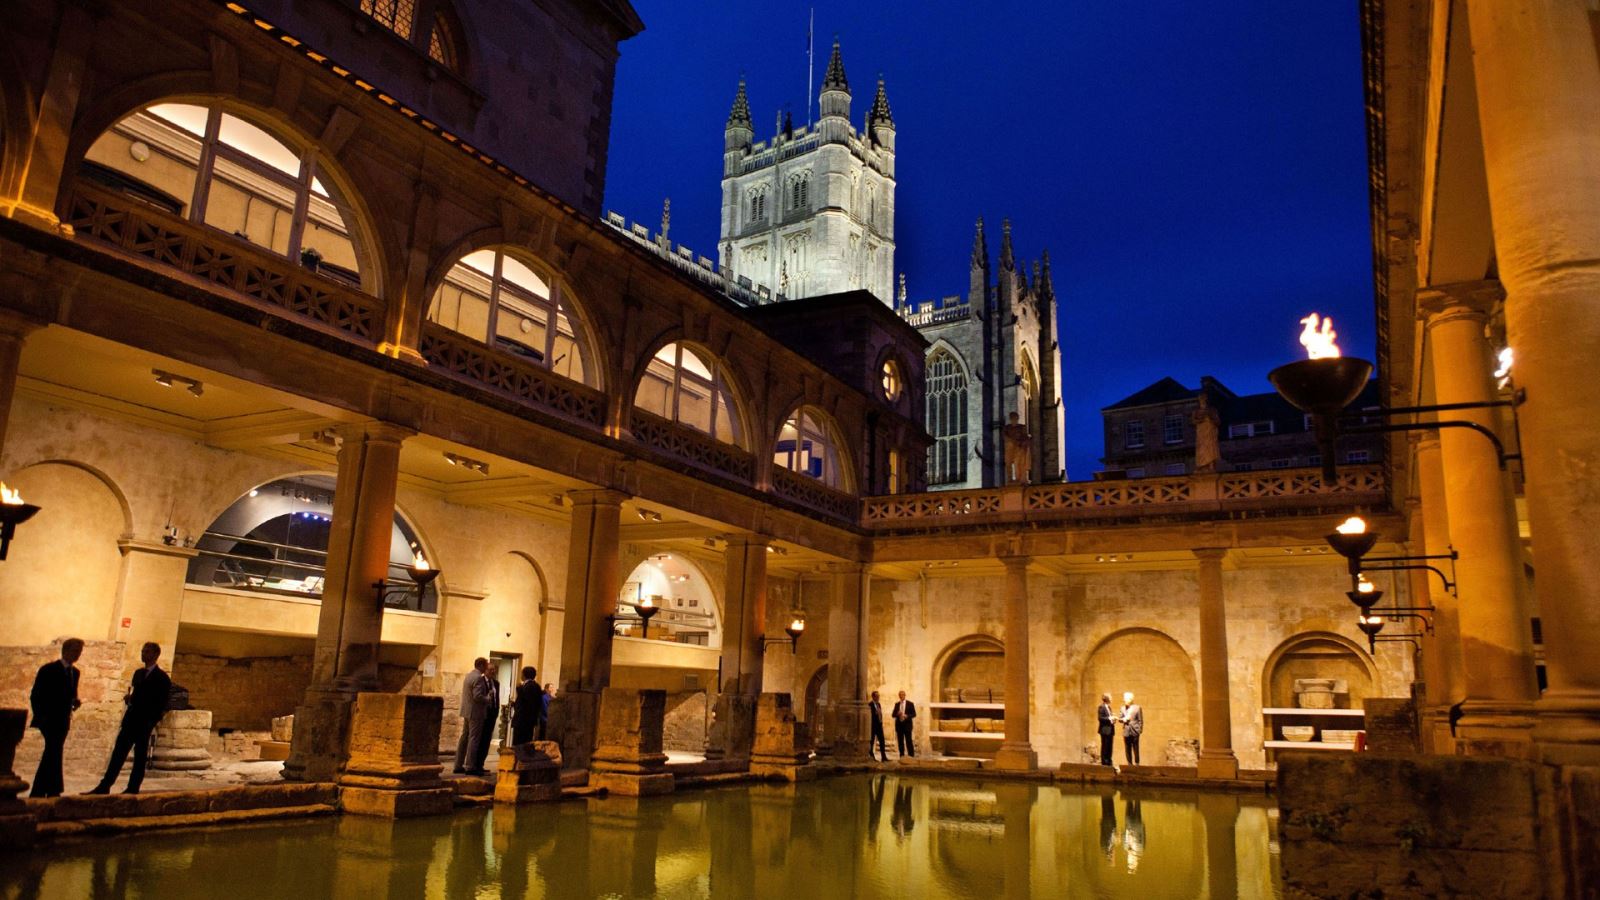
<point>488,692</point>
<point>1132,720</point>
<point>54,699</point>
<point>1108,728</point>
<point>146,702</point>
<point>527,708</point>
<point>471,715</point>
<point>875,714</point>
<point>544,708</point>
<point>905,712</point>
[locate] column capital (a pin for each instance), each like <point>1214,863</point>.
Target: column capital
<point>1207,554</point>
<point>1015,561</point>
<point>1443,302</point>
<point>597,497</point>
<point>15,328</point>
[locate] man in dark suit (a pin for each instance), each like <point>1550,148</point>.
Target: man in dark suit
<point>146,703</point>
<point>875,712</point>
<point>1108,728</point>
<point>527,709</point>
<point>904,712</point>
<point>54,699</point>
<point>488,690</point>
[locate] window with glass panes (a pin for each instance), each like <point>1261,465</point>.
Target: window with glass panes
<point>946,418</point>
<point>681,385</point>
<point>501,300</point>
<point>1172,429</point>
<point>806,446</point>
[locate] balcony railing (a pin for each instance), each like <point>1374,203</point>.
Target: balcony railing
<point>691,446</point>
<point>1280,491</point>
<point>476,362</point>
<point>813,494</point>
<point>259,275</point>
<point>241,563</point>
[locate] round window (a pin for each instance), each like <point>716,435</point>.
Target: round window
<point>892,382</point>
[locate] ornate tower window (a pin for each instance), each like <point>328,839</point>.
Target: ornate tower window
<point>800,191</point>
<point>947,418</point>
<point>758,205</point>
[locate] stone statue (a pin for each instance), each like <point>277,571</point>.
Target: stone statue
<point>1019,452</point>
<point>1206,423</point>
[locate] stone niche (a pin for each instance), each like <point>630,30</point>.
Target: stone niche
<point>393,764</point>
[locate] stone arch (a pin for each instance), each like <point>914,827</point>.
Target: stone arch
<point>1318,654</point>
<point>517,592</point>
<point>1161,675</point>
<point>956,656</point>
<point>815,700</point>
<point>739,391</point>
<point>355,195</point>
<point>593,338</point>
<point>83,515</point>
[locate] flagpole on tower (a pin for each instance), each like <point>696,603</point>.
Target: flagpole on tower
<point>810,58</point>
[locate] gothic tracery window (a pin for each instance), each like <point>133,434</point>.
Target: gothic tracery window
<point>947,418</point>
<point>758,205</point>
<point>500,300</point>
<point>681,385</point>
<point>800,191</point>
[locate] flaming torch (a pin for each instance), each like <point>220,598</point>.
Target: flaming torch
<point>13,512</point>
<point>1323,384</point>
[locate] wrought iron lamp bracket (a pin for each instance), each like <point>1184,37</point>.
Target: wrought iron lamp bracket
<point>1517,396</point>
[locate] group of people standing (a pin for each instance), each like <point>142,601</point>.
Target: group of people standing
<point>480,709</point>
<point>54,699</point>
<point>1131,718</point>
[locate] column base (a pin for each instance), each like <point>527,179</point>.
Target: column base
<point>1495,728</point>
<point>850,732</point>
<point>1217,764</point>
<point>574,723</point>
<point>1016,757</point>
<point>1567,728</point>
<point>321,735</point>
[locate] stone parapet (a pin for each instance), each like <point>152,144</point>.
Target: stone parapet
<point>529,773</point>
<point>627,757</point>
<point>781,747</point>
<point>393,765</point>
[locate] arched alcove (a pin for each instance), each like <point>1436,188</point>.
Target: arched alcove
<point>969,688</point>
<point>1161,676</point>
<point>1318,655</point>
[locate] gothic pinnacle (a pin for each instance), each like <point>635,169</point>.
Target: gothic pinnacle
<point>834,80</point>
<point>1007,260</point>
<point>980,248</point>
<point>881,114</point>
<point>740,116</point>
<point>1046,288</point>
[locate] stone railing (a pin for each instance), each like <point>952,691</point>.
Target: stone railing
<point>522,380</point>
<point>691,446</point>
<point>813,494</point>
<point>105,216</point>
<point>1282,491</point>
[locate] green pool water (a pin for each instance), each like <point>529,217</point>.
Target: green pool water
<point>858,836</point>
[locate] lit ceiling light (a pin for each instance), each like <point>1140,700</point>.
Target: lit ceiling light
<point>467,462</point>
<point>169,379</point>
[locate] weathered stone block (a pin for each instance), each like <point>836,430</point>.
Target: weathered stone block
<point>181,740</point>
<point>733,726</point>
<point>574,721</point>
<point>17,824</point>
<point>283,729</point>
<point>393,750</point>
<point>1182,752</point>
<point>1391,725</point>
<point>359,801</point>
<point>780,748</point>
<point>627,757</point>
<point>273,750</point>
<point>1409,826</point>
<point>529,773</point>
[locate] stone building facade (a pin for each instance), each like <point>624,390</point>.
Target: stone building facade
<point>234,441</point>
<point>1152,432</point>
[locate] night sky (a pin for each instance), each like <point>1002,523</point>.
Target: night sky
<point>1196,170</point>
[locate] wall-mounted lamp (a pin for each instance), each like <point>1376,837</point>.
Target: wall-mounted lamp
<point>647,607</point>
<point>421,575</point>
<point>13,512</point>
<point>171,379</point>
<point>1366,594</point>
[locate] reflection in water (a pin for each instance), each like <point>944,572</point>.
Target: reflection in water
<point>831,838</point>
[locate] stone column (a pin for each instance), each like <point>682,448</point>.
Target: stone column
<point>1016,752</point>
<point>592,585</point>
<point>17,824</point>
<point>743,628</point>
<point>1496,628</point>
<point>1538,86</point>
<point>12,333</point>
<point>1429,699</point>
<point>627,756</point>
<point>31,197</point>
<point>848,729</point>
<point>1216,712</point>
<point>350,626</point>
<point>1446,644</point>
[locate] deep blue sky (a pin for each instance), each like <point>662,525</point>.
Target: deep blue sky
<point>1197,170</point>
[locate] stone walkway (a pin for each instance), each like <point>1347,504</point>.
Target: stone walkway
<point>226,773</point>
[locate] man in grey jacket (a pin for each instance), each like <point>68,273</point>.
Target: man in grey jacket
<point>471,714</point>
<point>1132,720</point>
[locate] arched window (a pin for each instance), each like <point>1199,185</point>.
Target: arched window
<point>893,384</point>
<point>800,191</point>
<point>214,167</point>
<point>947,418</point>
<point>274,540</point>
<point>682,386</point>
<point>501,300</point>
<point>806,445</point>
<point>395,15</point>
<point>444,40</point>
<point>758,205</point>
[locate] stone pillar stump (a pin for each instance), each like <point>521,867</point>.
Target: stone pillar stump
<point>529,773</point>
<point>733,727</point>
<point>393,767</point>
<point>781,749</point>
<point>627,756</point>
<point>16,823</point>
<point>182,739</point>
